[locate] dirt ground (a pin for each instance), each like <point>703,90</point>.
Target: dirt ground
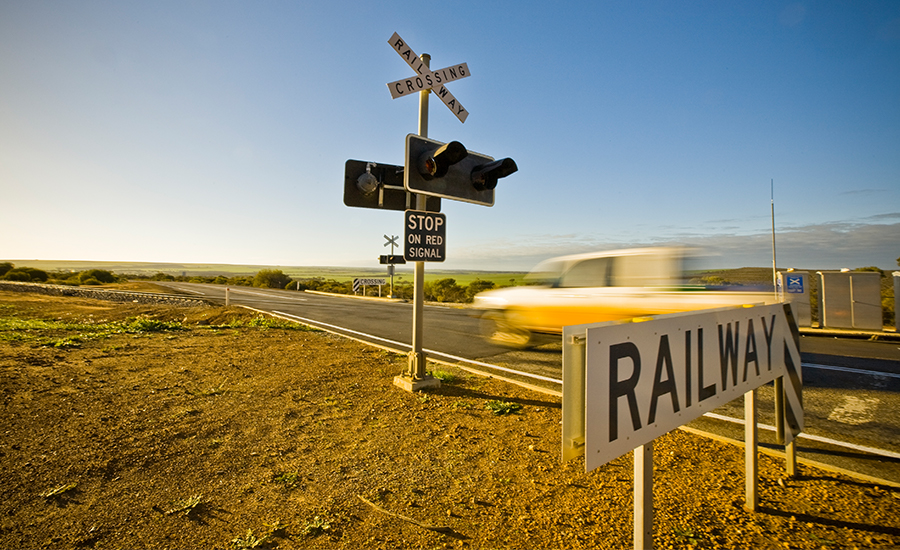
<point>139,426</point>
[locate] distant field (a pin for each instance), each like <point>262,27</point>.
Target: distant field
<point>142,268</point>
<point>341,274</point>
<point>746,275</point>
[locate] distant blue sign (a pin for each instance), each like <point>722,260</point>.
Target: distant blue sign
<point>795,284</point>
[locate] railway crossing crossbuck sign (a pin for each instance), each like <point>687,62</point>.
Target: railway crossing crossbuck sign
<point>426,79</point>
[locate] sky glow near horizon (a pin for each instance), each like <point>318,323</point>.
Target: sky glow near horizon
<point>216,132</point>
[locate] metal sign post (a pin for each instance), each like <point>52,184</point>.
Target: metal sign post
<point>417,373</point>
<point>751,452</point>
<point>374,185</point>
<point>643,496</point>
<point>392,241</point>
<point>416,377</point>
<point>424,82</point>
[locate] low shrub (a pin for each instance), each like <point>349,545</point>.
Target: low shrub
<point>271,278</point>
<point>26,275</point>
<point>102,276</point>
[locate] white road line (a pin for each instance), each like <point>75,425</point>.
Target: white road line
<point>341,329</point>
<point>265,295</point>
<point>188,290</point>
<point>497,367</point>
<point>852,371</point>
<point>268,295</point>
<point>238,291</point>
<point>820,439</point>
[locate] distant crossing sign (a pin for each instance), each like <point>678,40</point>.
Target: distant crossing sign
<point>426,79</point>
<point>359,281</point>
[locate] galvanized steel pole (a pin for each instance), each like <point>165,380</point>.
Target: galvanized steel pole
<point>751,448</point>
<point>643,497</point>
<point>896,275</point>
<point>417,357</point>
<point>779,382</point>
<point>774,269</point>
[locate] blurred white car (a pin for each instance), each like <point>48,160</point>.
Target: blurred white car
<point>602,286</point>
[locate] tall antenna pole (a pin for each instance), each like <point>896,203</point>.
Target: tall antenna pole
<point>779,382</point>
<point>774,269</point>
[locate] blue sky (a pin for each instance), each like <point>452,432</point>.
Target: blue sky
<point>216,132</point>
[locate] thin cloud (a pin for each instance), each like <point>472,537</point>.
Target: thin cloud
<point>881,217</point>
<point>831,245</point>
<point>863,192</point>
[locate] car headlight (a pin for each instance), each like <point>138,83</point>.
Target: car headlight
<point>488,302</point>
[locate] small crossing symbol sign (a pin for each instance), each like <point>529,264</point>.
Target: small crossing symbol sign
<point>426,79</point>
<point>795,284</point>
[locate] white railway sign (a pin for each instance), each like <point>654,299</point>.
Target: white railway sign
<point>642,380</point>
<point>625,384</point>
<point>426,79</point>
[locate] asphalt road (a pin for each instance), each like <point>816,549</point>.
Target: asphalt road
<point>851,387</point>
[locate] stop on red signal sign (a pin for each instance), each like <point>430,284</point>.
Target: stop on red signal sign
<point>424,236</point>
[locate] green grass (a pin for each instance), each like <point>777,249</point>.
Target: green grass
<point>445,377</point>
<point>145,324</point>
<point>250,540</point>
<point>22,330</point>
<point>14,324</point>
<point>14,329</point>
<point>287,479</point>
<point>262,322</point>
<point>316,526</point>
<point>687,535</point>
<point>502,408</point>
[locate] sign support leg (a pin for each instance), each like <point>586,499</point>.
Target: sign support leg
<point>417,356</point>
<point>751,443</point>
<point>790,450</point>
<point>779,410</point>
<point>391,269</point>
<point>794,403</point>
<point>643,497</point>
<point>790,456</point>
<point>417,377</point>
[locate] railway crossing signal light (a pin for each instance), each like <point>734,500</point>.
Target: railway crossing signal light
<point>449,171</point>
<point>436,163</point>
<point>486,175</point>
<point>377,185</point>
<point>391,259</point>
